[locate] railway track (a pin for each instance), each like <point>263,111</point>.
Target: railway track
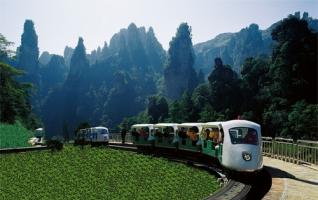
<point>23,149</point>
<point>234,188</point>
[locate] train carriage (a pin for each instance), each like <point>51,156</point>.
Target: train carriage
<point>235,144</point>
<point>93,135</point>
<point>189,136</point>
<point>143,134</point>
<point>212,137</point>
<point>165,135</point>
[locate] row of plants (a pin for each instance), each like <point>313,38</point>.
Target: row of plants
<point>99,173</point>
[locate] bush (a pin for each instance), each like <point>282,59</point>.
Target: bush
<point>55,143</point>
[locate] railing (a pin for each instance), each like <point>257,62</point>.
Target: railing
<point>116,137</point>
<point>299,152</point>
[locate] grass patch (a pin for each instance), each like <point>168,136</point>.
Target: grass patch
<point>14,135</point>
<point>99,173</point>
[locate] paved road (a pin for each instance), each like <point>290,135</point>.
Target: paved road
<point>291,181</point>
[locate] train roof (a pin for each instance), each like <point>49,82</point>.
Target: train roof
<point>142,125</point>
<point>240,123</point>
<point>190,124</point>
<point>99,127</point>
<point>212,123</point>
<point>166,124</point>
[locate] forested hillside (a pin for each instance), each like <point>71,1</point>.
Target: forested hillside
<point>234,48</point>
<point>107,85</point>
<point>278,91</point>
<point>267,76</point>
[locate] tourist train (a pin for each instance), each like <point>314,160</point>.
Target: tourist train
<point>93,135</point>
<point>235,144</point>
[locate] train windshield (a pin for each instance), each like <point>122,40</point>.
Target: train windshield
<point>104,131</point>
<point>243,135</point>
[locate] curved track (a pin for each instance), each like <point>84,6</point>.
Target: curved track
<point>235,187</point>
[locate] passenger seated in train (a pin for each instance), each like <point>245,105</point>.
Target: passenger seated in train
<point>158,133</point>
<point>250,137</point>
<point>182,135</point>
<point>134,133</point>
<point>143,132</point>
<point>193,134</point>
<point>166,132</point>
<point>215,136</point>
<point>206,134</point>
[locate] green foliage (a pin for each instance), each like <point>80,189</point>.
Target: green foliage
<point>225,91</point>
<point>80,126</point>
<point>99,173</point>
<point>157,109</point>
<point>5,52</point>
<point>302,119</point>
<point>14,98</point>
<point>292,75</point>
<point>208,114</point>
<point>14,135</point>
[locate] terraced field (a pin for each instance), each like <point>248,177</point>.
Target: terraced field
<point>99,173</point>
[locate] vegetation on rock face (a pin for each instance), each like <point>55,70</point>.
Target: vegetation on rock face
<point>133,74</point>
<point>99,173</point>
<point>234,48</point>
<point>14,96</point>
<point>179,74</point>
<point>280,92</point>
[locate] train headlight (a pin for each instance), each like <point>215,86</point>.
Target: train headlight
<point>247,156</point>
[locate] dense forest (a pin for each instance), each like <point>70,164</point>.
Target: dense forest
<point>267,76</point>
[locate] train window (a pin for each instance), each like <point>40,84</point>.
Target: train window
<point>243,135</point>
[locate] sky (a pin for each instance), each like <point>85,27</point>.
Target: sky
<point>59,23</point>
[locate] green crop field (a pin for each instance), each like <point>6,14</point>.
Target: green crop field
<point>14,135</point>
<point>99,173</point>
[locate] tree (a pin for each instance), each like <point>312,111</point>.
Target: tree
<point>5,52</point>
<point>225,91</point>
<point>80,126</point>
<point>292,75</point>
<point>254,76</point>
<point>14,96</point>
<point>157,109</point>
<point>302,121</point>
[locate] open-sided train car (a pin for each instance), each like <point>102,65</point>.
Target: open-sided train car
<point>235,144</point>
<point>189,136</point>
<point>165,135</point>
<point>143,134</point>
<point>212,139</point>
